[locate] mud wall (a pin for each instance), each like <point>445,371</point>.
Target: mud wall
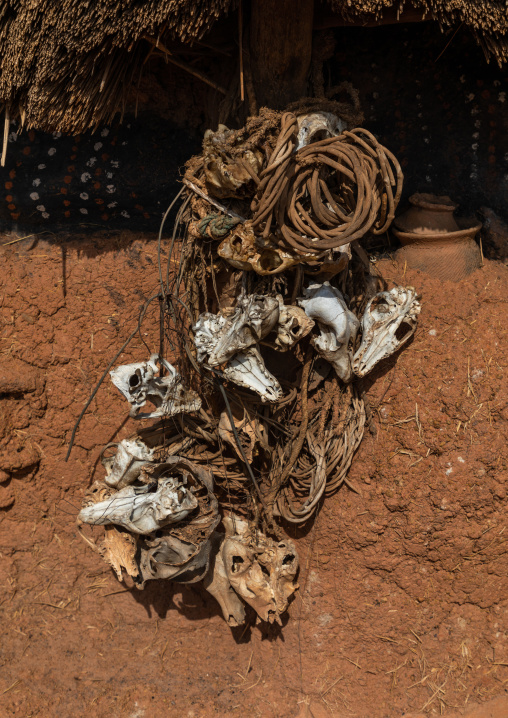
<point>403,583</point>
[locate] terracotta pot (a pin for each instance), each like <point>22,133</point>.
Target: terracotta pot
<point>446,256</point>
<point>428,214</point>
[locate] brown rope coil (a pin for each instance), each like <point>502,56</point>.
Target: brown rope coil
<point>328,193</point>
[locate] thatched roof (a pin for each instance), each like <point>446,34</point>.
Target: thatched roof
<point>67,64</point>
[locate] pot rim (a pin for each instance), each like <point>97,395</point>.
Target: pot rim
<point>437,203</point>
<point>464,232</point>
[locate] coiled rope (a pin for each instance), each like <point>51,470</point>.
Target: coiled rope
<point>327,193</point>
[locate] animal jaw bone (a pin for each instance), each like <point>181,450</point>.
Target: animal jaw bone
<point>261,571</point>
<point>248,369</point>
<point>338,326</point>
<point>384,315</point>
<point>142,510</point>
<point>216,582</point>
<point>316,126</point>
<point>138,383</point>
<point>125,466</point>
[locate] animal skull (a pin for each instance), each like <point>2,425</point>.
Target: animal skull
<point>243,250</point>
<point>261,571</point>
<point>337,324</point>
<point>181,551</point>
<point>221,338</point>
<point>143,509</point>
<point>385,316</point>
<point>316,126</point>
<point>248,369</point>
<point>216,582</point>
<point>292,326</point>
<point>226,175</point>
<point>138,383</point>
<point>125,466</point>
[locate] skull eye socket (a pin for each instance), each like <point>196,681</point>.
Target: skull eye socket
<point>380,305</point>
<point>269,261</point>
<point>288,558</point>
<point>236,243</point>
<point>236,564</point>
<point>403,330</point>
<point>133,380</point>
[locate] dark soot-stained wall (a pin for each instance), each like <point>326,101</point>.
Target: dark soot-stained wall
<point>446,119</point>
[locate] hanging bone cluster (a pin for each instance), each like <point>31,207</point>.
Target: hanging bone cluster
<point>274,318</point>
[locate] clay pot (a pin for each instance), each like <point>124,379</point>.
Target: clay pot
<point>434,242</point>
<point>428,214</point>
<point>448,256</point>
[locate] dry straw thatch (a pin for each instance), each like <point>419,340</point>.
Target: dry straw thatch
<point>67,64</point>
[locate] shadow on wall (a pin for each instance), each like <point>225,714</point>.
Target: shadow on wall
<point>430,97</point>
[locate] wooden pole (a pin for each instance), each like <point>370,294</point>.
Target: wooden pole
<point>280,50</point>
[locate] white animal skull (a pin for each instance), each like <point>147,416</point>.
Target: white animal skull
<point>248,369</point>
<point>338,326</point>
<point>255,316</point>
<point>388,322</point>
<point>125,466</point>
<point>138,383</point>
<point>143,509</point>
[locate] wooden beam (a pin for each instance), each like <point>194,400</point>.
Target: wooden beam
<point>280,50</point>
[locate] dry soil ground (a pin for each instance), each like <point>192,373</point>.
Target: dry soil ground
<point>403,603</point>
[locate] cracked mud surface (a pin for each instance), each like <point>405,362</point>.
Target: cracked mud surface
<point>403,602</point>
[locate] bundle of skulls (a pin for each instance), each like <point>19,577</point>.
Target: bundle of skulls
<point>271,319</point>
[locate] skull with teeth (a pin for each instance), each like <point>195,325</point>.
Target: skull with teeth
<point>388,322</point>
<point>261,571</point>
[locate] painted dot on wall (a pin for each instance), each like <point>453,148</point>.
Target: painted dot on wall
<point>11,207</point>
<point>52,151</point>
<point>41,167</point>
<point>41,208</point>
<point>84,195</point>
<point>86,176</point>
<point>34,196</point>
<point>36,182</point>
<point>83,210</point>
<point>63,190</point>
